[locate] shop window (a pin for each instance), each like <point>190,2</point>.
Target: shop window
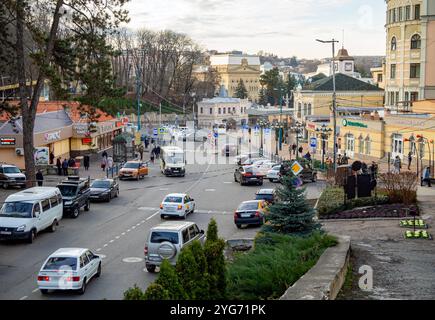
<point>416,41</point>
<point>305,109</point>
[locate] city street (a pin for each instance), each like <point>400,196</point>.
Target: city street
<point>118,230</point>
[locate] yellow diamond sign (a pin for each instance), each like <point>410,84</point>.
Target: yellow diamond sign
<point>296,168</point>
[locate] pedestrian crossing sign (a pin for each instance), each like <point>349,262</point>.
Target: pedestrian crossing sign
<point>296,168</point>
<point>162,130</point>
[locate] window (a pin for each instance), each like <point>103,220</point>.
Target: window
<point>202,110</point>
<point>299,109</point>
<point>397,144</point>
<point>414,70</point>
<point>45,205</point>
<point>56,263</point>
<point>368,145</point>
<point>394,15</point>
<point>83,260</point>
<point>224,109</point>
<point>400,13</point>
<point>393,71</point>
<point>408,13</point>
<point>309,109</point>
<point>305,109</point>
<point>192,232</point>
<point>234,110</point>
<point>360,145</point>
<point>219,111</point>
<point>53,201</point>
<point>393,44</point>
<point>185,234</point>
<point>380,77</point>
<point>211,110</point>
<point>417,12</point>
<point>416,41</point>
<point>350,143</point>
<point>414,96</point>
<point>89,255</point>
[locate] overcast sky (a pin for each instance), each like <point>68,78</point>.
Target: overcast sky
<point>283,27</point>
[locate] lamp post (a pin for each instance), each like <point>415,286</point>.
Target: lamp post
<point>324,134</point>
<point>193,95</point>
<point>297,128</point>
<point>280,115</point>
<point>334,98</point>
<point>262,124</point>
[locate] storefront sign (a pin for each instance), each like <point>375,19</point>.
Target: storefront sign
<point>311,126</point>
<point>106,127</point>
<point>7,141</point>
<point>41,156</point>
<point>52,136</point>
<point>118,124</point>
<point>86,140</point>
<point>348,123</point>
<point>81,129</point>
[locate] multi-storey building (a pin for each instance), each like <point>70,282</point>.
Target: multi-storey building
<point>410,58</point>
<point>233,67</point>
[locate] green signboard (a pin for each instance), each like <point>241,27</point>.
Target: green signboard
<point>348,123</point>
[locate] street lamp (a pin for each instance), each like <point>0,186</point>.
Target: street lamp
<point>262,124</point>
<point>297,128</point>
<point>334,98</point>
<point>280,115</point>
<point>277,126</point>
<point>324,133</point>
<point>193,95</point>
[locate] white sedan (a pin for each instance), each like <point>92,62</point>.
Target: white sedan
<point>273,174</point>
<point>177,204</point>
<point>69,269</point>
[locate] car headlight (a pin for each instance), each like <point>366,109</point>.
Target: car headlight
<point>68,203</point>
<point>105,193</point>
<point>21,228</point>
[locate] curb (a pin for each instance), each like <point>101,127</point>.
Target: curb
<point>325,279</point>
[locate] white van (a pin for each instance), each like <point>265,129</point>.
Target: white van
<point>27,212</point>
<point>173,161</point>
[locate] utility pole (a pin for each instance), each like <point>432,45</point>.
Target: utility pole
<point>160,114</point>
<point>334,99</point>
<point>138,94</point>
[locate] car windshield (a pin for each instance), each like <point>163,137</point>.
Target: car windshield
<point>173,199</point>
<point>131,165</point>
<point>61,263</point>
<point>264,197</point>
<point>248,206</point>
<point>162,236</point>
<point>11,170</point>
<point>67,191</point>
<point>100,184</point>
<point>176,158</point>
<point>16,210</point>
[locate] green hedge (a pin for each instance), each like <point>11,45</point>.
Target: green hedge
<point>332,201</point>
<point>276,262</point>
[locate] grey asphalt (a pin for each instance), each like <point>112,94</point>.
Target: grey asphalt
<point>118,230</point>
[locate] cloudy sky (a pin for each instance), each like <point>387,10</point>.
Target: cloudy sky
<point>284,27</point>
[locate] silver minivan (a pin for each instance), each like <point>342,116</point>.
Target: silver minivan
<point>166,240</point>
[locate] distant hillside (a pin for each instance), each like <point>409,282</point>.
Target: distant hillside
<point>364,63</point>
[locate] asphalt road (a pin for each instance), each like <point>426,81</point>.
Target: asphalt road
<point>118,231</point>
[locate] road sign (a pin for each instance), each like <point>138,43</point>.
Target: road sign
<point>313,142</point>
<point>162,130</point>
<point>296,168</point>
<point>216,134</point>
<point>155,131</point>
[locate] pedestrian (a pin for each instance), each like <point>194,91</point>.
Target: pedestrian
<point>345,159</point>
<point>86,161</point>
<point>339,159</point>
<point>103,163</point>
<point>65,167</point>
<point>59,166</point>
<point>294,148</point>
<point>308,156</point>
<point>158,152</point>
<point>147,142</point>
<point>71,163</point>
<point>152,156</point>
<point>104,154</point>
<point>397,164</point>
<point>51,157</point>
<point>374,170</point>
<point>425,177</point>
<point>39,177</point>
<point>409,160</point>
<point>141,150</point>
<point>364,168</point>
<point>300,152</point>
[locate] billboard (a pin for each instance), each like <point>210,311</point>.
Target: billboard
<point>41,156</point>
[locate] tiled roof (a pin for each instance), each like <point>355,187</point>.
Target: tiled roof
<point>342,83</point>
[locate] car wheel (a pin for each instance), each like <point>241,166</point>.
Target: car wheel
<point>239,226</point>
<point>151,268</point>
<point>5,185</point>
<point>75,213</point>
<point>98,274</point>
<point>44,291</point>
<point>82,290</point>
<point>32,236</point>
<point>88,205</point>
<point>185,215</point>
<point>53,226</point>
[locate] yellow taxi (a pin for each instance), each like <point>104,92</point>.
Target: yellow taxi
<point>133,170</point>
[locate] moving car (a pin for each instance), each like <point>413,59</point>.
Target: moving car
<point>307,174</point>
<point>173,161</point>
<point>69,269</point>
<point>248,175</point>
<point>264,166</point>
<point>273,174</point>
<point>267,195</point>
<point>104,189</point>
<point>250,213</point>
<point>166,241</point>
<point>26,213</point>
<point>75,194</point>
<point>251,161</point>
<point>133,170</point>
<point>10,175</point>
<point>177,204</point>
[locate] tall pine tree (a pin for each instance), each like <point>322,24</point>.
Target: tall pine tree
<point>241,91</point>
<point>292,213</point>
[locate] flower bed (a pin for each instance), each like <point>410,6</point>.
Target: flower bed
<point>396,210</point>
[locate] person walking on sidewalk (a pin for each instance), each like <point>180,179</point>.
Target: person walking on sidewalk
<point>110,164</point>
<point>104,154</point>
<point>397,164</point>
<point>51,157</point>
<point>39,178</point>
<point>65,167</point>
<point>152,155</point>
<point>86,161</point>
<point>59,166</point>
<point>409,160</point>
<point>158,152</point>
<point>425,177</point>
<point>141,151</point>
<point>103,163</point>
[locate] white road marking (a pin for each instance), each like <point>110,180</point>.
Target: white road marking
<point>147,208</point>
<point>123,233</point>
<point>99,249</point>
<point>134,227</point>
<point>150,217</point>
<point>24,298</point>
<point>143,221</point>
<point>35,290</point>
<point>210,190</point>
<point>102,256</point>
<point>128,230</point>
<point>132,259</point>
<point>138,224</point>
<point>164,189</point>
<point>117,237</point>
<point>111,241</point>
<point>105,245</point>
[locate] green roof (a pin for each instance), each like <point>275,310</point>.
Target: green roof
<point>342,83</point>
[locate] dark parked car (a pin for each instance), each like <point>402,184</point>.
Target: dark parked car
<point>250,213</point>
<point>248,175</point>
<point>10,175</point>
<point>267,195</point>
<point>104,189</point>
<point>75,194</point>
<point>307,174</point>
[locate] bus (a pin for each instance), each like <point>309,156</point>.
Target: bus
<point>173,161</point>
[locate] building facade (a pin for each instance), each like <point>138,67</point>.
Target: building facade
<point>221,109</point>
<point>232,68</point>
<point>410,59</point>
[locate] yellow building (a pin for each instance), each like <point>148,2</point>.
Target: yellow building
<point>410,59</point>
<point>235,67</point>
<point>378,75</point>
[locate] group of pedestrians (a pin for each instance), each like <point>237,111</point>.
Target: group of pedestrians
<point>155,153</point>
<point>62,166</point>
